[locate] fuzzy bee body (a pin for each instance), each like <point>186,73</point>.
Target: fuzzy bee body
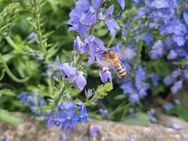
<point>112,59</point>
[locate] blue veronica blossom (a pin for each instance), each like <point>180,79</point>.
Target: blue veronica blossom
<point>151,114</point>
<point>94,131</point>
<point>185,17</point>
<point>105,76</point>
<point>94,47</point>
<point>129,138</point>
<point>91,45</point>
<point>67,116</point>
<point>122,3</point>
<point>110,22</point>
<point>84,15</point>
<point>157,50</point>
<point>155,78</point>
<point>177,86</point>
<point>62,138</point>
<point>172,55</point>
<point>35,102</point>
<point>168,106</point>
<point>177,126</point>
<point>140,87</point>
<point>104,113</point>
<point>89,93</point>
<point>70,73</point>
<point>5,138</point>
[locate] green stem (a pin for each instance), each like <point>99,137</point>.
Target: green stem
<point>2,74</point>
<point>79,60</point>
<point>10,74</point>
<point>37,11</point>
<point>110,42</point>
<point>58,99</point>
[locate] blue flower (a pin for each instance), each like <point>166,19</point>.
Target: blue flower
<point>78,45</point>
<point>176,73</point>
<point>70,73</point>
<point>93,46</point>
<point>94,131</point>
<point>105,76</point>
<point>84,15</point>
<point>177,126</point>
<point>104,113</point>
<point>110,22</point>
<point>133,98</point>
<point>168,106</point>
<point>129,138</point>
<point>160,4</point>
<point>5,138</point>
<point>80,81</point>
<point>172,55</point>
<point>89,93</point>
<point>168,80</point>
<point>177,86</point>
<point>63,138</point>
<point>157,50</point>
<point>148,38</point>
<point>32,36</point>
<point>155,78</point>
<point>174,26</point>
<point>180,40</point>
<point>185,16</point>
<point>122,3</point>
<point>83,113</point>
<point>23,96</point>
<point>34,101</point>
<point>67,116</point>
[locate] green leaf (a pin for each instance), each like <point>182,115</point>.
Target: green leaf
<point>103,90</point>
<point>100,93</point>
<point>9,118</point>
<point>180,111</point>
<point>7,92</point>
<point>138,119</point>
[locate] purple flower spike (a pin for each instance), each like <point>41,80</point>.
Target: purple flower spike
<point>105,76</point>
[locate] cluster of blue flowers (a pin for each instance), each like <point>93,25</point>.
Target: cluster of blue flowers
<point>35,102</point>
<point>65,70</point>
<point>67,116</point>
<point>164,30</point>
<point>83,18</point>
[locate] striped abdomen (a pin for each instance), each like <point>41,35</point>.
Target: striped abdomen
<point>120,70</point>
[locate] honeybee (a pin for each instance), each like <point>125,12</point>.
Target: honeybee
<point>112,59</point>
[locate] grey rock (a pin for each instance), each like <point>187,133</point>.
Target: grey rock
<point>32,130</point>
